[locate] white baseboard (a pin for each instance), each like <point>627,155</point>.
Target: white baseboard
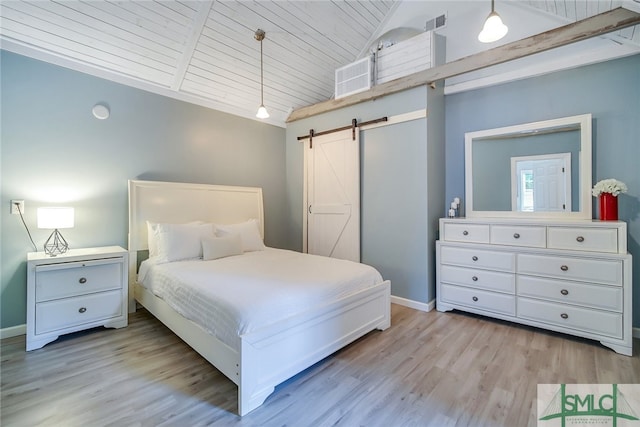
<point>414,304</point>
<point>13,331</point>
<point>636,331</point>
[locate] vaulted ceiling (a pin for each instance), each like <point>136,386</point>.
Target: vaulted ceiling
<point>205,51</point>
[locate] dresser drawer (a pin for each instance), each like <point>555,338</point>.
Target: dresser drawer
<point>594,296</point>
<point>481,300</point>
<point>479,258</point>
<point>482,279</point>
<point>475,233</point>
<point>583,239</point>
<point>517,235</point>
<point>70,312</point>
<point>607,272</point>
<point>77,278</point>
<point>592,321</point>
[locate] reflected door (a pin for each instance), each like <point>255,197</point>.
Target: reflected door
<point>541,183</point>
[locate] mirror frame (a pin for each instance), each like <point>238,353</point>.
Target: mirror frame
<point>585,162</point>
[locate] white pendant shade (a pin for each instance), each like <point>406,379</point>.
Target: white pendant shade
<point>262,113</point>
<point>493,29</point>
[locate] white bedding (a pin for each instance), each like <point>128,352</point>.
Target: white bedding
<point>237,295</point>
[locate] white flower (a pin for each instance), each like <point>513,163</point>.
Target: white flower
<point>612,186</point>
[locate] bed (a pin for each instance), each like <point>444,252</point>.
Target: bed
<point>256,358</point>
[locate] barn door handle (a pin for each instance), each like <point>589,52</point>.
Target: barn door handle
<point>309,209</point>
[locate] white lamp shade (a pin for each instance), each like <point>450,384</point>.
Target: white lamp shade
<point>493,29</point>
<point>262,113</point>
<point>55,218</point>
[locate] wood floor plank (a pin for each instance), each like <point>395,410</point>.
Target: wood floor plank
<point>427,369</point>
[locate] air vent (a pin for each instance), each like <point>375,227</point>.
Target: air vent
<point>353,78</point>
<point>436,23</point>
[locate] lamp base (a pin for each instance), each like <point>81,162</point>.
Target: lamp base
<point>55,244</point>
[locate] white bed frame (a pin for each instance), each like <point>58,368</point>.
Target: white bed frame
<point>268,357</point>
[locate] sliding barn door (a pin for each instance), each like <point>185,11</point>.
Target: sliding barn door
<point>333,195</point>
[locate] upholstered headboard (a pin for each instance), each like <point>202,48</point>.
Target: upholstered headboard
<point>174,202</point>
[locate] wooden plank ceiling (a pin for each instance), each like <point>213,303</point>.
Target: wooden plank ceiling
<point>205,51</point>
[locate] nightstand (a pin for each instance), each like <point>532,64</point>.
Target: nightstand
<point>77,290</point>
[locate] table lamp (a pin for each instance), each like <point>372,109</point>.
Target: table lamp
<point>55,218</point>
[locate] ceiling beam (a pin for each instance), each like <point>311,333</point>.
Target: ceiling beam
<point>597,25</point>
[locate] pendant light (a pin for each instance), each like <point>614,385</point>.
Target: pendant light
<point>493,29</point>
<point>262,111</point>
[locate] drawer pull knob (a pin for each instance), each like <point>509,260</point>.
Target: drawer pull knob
<point>475,298</point>
<point>474,278</point>
<point>580,239</point>
<point>83,280</point>
<point>564,292</point>
<point>564,268</point>
<point>516,235</point>
<point>82,309</point>
<point>564,315</point>
<point>465,233</point>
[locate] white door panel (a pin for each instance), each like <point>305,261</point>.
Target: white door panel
<point>333,196</point>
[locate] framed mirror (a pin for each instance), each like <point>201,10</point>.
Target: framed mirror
<point>533,170</point>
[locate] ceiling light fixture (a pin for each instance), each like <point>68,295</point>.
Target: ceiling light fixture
<point>262,111</point>
<point>493,29</point>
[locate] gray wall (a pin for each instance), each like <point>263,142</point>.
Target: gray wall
<point>402,188</point>
<point>610,91</point>
<point>55,153</point>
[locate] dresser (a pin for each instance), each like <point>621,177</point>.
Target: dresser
<point>572,277</point>
<point>77,290</point>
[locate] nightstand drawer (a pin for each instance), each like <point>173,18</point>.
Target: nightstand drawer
<point>478,258</point>
<point>481,279</point>
<point>69,312</point>
<point>77,278</point>
<point>564,291</point>
<point>584,239</point>
<point>608,272</point>
<point>592,321</point>
<point>481,300</point>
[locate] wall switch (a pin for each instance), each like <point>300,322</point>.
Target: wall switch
<point>14,207</point>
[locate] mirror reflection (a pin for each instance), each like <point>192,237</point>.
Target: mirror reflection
<point>541,169</point>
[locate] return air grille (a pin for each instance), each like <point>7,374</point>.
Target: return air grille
<point>353,78</point>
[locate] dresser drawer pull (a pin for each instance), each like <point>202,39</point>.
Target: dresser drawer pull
<point>474,278</point>
<point>564,315</point>
<point>564,268</point>
<point>475,258</point>
<point>82,309</point>
<point>564,292</point>
<point>516,235</point>
<point>475,298</point>
<point>580,239</point>
<point>83,280</point>
<point>465,233</point>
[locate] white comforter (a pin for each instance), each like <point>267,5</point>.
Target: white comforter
<point>237,295</point>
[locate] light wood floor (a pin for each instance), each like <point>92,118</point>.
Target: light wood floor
<point>428,369</point>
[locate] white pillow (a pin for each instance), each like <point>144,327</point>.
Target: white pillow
<point>181,241</point>
<point>152,238</point>
<point>248,231</point>
<point>220,247</point>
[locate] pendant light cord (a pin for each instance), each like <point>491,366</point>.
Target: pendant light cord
<point>261,76</point>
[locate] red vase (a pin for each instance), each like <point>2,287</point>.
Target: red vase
<point>608,207</point>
